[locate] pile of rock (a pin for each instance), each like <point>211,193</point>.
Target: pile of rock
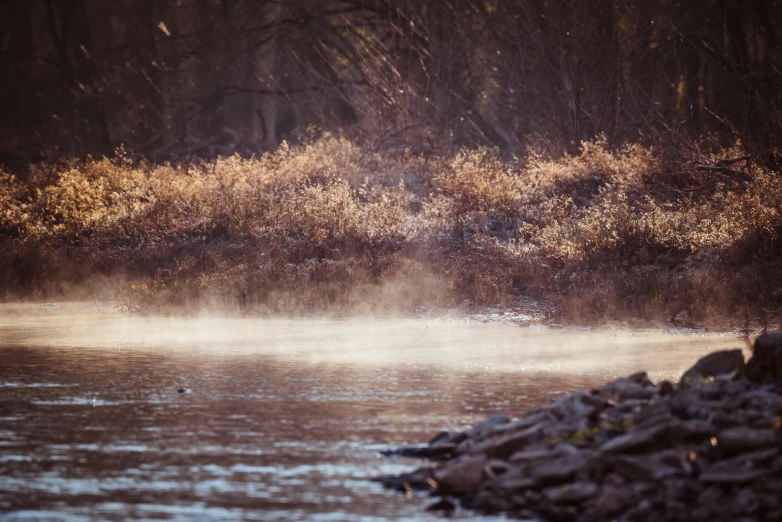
<point>709,448</point>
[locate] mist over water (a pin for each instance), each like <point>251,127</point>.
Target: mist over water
<point>283,419</point>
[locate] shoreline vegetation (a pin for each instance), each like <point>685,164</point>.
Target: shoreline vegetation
<point>707,448</point>
<point>330,227</point>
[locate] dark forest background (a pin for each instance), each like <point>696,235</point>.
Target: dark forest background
<point>168,78</point>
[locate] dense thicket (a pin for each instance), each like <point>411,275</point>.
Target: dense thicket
<point>210,77</point>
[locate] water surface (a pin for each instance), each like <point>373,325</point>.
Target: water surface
<point>283,419</point>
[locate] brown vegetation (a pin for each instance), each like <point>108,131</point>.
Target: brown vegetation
<point>332,226</point>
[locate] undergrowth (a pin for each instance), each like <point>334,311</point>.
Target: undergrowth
<point>331,227</point>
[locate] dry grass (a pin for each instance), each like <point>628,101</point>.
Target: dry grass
<point>331,227</point>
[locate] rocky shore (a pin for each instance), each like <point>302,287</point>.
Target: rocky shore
<point>706,448</point>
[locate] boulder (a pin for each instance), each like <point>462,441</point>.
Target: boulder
<point>766,361</point>
<point>717,363</point>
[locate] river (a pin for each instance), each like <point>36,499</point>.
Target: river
<point>280,419</point>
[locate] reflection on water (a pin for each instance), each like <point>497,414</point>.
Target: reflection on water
<point>286,417</point>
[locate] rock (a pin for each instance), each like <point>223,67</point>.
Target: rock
<point>443,450</point>
<point>707,450</point>
<point>690,431</point>
<point>647,468</point>
<point>636,440</point>
<point>556,514</point>
<point>766,360</point>
<point>571,493</point>
<point>489,503</point>
<point>421,479</point>
<point>748,460</point>
<point>710,505</point>
<point>442,505</point>
<point>642,511</point>
<point>665,388</point>
<point>653,414</point>
<point>762,399</point>
<point>641,378</point>
<point>623,389</point>
<point>744,439</point>
<point>443,436</point>
<point>511,483</point>
<point>530,456</point>
<point>614,500</point>
<point>459,475</point>
<point>561,469</point>
<point>717,363</point>
<point>510,444</point>
<point>746,503</point>
<point>578,405</point>
<point>494,469</point>
<point>732,477</point>
<point>537,416</point>
<point>490,422</point>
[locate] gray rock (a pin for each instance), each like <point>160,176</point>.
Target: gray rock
<point>530,419</point>
<point>691,431</point>
<point>717,363</point>
<point>439,451</point>
<point>766,360</point>
<point>748,460</point>
<point>536,454</point>
<point>420,479</point>
<point>459,475</point>
<point>442,505</point>
<point>440,437</point>
<point>511,483</point>
<point>732,477</point>
<point>762,399</point>
<point>574,493</point>
<point>614,500</point>
<point>636,440</point>
<point>710,505</point>
<point>490,422</point>
<point>744,439</point>
<point>561,469</point>
<point>647,468</point>
<point>652,414</point>
<point>506,446</point>
<point>665,388</point>
<point>578,405</point>
<point>746,503</point>
<point>624,389</point>
<point>708,450</point>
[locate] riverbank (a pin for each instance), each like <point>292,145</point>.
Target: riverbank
<point>706,448</point>
<point>635,234</point>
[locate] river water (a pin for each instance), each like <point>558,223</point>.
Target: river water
<point>282,419</point>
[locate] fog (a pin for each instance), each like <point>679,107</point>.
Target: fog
<point>445,342</point>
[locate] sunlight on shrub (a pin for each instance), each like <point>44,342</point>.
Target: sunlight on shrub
<point>327,225</point>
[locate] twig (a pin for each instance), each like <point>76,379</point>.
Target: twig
<point>724,170</point>
<point>726,162</point>
<point>722,166</point>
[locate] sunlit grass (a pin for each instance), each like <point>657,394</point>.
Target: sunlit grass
<point>328,226</point>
